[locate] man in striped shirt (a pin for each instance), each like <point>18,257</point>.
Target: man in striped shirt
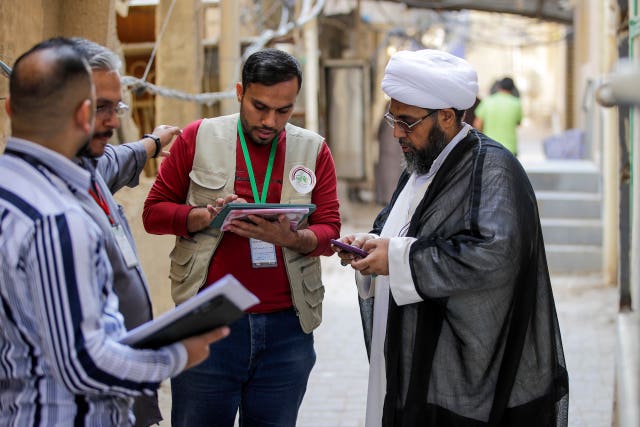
<point>60,362</point>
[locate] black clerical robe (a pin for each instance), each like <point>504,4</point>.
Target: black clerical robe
<point>484,347</point>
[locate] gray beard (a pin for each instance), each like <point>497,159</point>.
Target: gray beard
<point>420,161</point>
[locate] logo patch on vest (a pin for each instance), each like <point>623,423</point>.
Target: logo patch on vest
<point>302,179</point>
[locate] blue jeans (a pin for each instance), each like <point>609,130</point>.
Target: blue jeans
<point>261,368</point>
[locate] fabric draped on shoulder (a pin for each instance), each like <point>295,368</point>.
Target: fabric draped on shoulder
<point>484,348</point>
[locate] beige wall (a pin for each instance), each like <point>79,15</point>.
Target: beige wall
<point>588,38</point>
<point>26,22</point>
<point>180,59</point>
<point>23,17</point>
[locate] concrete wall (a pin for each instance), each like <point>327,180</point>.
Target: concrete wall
<point>179,59</point>
<point>26,22</point>
<point>589,45</point>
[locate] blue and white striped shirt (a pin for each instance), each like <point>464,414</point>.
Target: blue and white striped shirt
<point>60,363</point>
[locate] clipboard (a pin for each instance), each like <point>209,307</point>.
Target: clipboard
<point>220,304</point>
<point>295,212</point>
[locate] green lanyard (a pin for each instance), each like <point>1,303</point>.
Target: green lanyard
<point>252,178</point>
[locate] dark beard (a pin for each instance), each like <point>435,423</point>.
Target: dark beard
<point>420,161</point>
<point>84,150</point>
<point>246,129</point>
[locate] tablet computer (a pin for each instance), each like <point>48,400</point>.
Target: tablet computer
<point>295,212</point>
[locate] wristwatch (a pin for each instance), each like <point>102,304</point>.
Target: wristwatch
<point>156,139</point>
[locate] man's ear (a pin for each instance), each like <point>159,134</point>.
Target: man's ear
<point>84,116</point>
<point>448,114</point>
<point>239,91</point>
<point>447,117</point>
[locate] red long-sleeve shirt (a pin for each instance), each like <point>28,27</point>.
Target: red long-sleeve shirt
<point>165,212</point>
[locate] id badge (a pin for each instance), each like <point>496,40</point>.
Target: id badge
<point>263,254</point>
<point>126,250</point>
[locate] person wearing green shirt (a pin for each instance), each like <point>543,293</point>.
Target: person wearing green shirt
<point>499,115</point>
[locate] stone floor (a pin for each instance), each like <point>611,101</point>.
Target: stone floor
<point>336,394</point>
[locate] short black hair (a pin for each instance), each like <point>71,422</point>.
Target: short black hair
<point>459,114</point>
<point>48,94</point>
<point>507,84</point>
<point>269,67</point>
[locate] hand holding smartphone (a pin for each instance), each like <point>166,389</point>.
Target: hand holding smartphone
<point>350,248</point>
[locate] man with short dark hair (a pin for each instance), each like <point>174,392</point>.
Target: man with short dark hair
<point>456,301</point>
<point>257,156</point>
<point>499,115</point>
<point>61,363</point>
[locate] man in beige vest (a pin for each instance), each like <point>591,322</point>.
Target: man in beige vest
<point>255,156</point>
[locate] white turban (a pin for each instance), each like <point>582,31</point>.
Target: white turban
<point>430,79</point>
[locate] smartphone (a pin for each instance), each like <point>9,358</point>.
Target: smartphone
<point>350,248</point>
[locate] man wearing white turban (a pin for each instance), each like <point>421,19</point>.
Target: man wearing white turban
<point>458,312</point>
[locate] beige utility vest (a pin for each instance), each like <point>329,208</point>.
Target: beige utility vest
<point>213,176</point>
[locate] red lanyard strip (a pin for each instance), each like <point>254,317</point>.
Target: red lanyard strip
<point>100,200</point>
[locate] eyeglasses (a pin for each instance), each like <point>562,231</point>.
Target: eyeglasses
<point>406,127</point>
<point>108,109</point>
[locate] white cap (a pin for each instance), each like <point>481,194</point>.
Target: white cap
<point>430,79</point>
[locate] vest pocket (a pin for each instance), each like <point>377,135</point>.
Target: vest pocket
<point>312,285</point>
<point>182,259</point>
<point>203,182</point>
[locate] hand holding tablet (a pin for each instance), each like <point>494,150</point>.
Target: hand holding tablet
<point>296,213</point>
